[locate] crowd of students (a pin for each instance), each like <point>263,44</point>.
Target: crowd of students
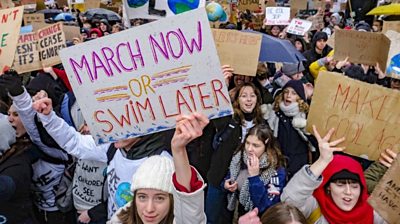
<point>259,165</point>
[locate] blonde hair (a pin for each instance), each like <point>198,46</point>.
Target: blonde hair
<point>303,106</point>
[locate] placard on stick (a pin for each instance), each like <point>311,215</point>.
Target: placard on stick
<point>385,199</point>
<point>367,115</point>
<point>137,81</point>
<point>238,49</point>
<point>362,47</point>
<point>92,4</point>
<point>10,23</point>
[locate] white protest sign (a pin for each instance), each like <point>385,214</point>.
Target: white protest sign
<point>137,81</point>
<point>158,9</point>
<point>299,27</point>
<point>277,16</point>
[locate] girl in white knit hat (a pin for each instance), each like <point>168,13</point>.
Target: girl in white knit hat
<point>168,191</point>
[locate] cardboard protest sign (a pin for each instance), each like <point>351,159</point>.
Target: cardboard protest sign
<point>92,4</point>
<point>27,54</point>
<point>367,115</point>
<point>270,3</point>
<point>277,15</point>
<point>37,26</point>
<point>158,9</point>
<point>71,32</point>
<point>317,22</point>
<point>33,18</point>
<point>385,199</point>
<point>137,81</point>
<point>299,27</point>
<point>298,4</point>
<point>393,62</point>
<point>391,25</point>
<point>10,24</point>
<point>331,41</point>
<point>252,5</point>
<point>51,40</point>
<point>362,47</point>
<point>239,49</point>
<point>5,4</point>
<point>316,4</point>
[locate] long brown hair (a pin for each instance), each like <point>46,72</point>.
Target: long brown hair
<point>238,113</point>
<point>283,213</point>
<point>274,153</point>
<point>130,214</point>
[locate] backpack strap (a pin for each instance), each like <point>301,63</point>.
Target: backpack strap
<point>111,153</point>
<point>314,216</point>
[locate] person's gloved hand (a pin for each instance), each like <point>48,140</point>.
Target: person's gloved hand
<point>12,82</point>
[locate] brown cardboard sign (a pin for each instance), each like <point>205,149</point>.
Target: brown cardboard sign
<point>391,25</point>
<point>33,18</point>
<point>10,24</point>
<point>5,4</point>
<point>362,47</point>
<point>238,49</point>
<point>367,115</point>
<point>71,32</point>
<point>252,5</point>
<point>27,55</point>
<point>51,40</point>
<point>385,199</point>
<point>298,4</point>
<point>92,4</point>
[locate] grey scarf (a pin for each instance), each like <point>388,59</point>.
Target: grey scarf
<point>244,194</point>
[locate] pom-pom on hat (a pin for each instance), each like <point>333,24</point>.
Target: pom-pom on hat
<point>154,173</point>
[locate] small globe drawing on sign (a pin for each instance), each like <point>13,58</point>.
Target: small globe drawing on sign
<point>136,3</point>
<point>180,6</point>
<point>215,12</point>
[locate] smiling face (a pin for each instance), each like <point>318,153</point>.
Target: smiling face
<point>345,193</point>
<point>275,30</point>
<point>16,122</point>
<point>254,146</point>
<point>247,99</point>
<point>152,205</point>
<point>290,96</point>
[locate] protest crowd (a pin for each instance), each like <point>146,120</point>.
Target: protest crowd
<point>224,111</point>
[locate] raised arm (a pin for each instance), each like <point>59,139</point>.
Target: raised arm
<point>76,144</point>
<point>188,128</point>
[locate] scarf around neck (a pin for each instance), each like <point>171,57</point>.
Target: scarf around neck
<point>244,194</point>
<point>362,211</point>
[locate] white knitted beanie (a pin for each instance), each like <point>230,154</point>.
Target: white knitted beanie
<point>154,173</point>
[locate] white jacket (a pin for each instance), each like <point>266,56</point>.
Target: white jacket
<point>188,207</point>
